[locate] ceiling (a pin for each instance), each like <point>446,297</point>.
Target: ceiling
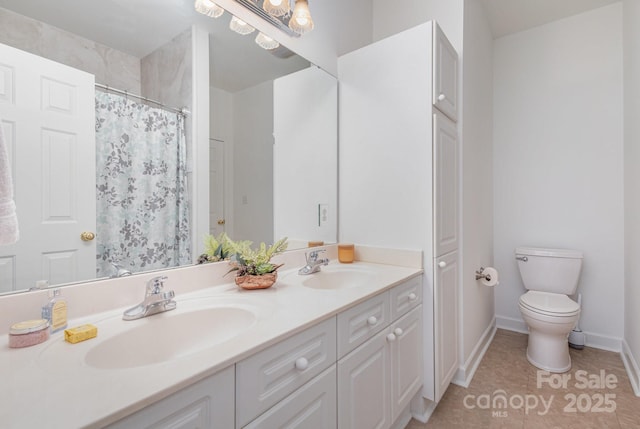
<point>512,16</point>
<point>139,27</point>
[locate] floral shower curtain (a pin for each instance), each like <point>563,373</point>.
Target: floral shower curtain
<point>142,202</point>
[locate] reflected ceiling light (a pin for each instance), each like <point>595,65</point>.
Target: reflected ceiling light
<point>240,27</point>
<point>276,7</point>
<point>301,21</point>
<point>266,42</point>
<point>209,8</point>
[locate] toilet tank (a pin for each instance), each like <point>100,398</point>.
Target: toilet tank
<point>549,270</point>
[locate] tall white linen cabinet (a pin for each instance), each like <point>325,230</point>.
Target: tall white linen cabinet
<point>399,175</point>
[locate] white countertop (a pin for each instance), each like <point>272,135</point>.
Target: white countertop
<point>50,385</point>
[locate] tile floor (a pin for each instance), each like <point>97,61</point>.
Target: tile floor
<point>607,402</point>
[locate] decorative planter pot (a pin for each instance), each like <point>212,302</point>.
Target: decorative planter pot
<point>257,282</point>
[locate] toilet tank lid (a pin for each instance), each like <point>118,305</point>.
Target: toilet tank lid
<point>550,253</point>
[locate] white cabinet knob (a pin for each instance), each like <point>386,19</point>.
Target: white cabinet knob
<point>398,331</point>
<point>302,364</point>
<point>441,97</point>
<point>442,264</point>
<point>412,296</point>
<point>391,338</point>
<point>372,320</point>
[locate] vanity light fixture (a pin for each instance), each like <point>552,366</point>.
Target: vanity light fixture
<point>301,21</point>
<point>266,42</point>
<point>209,8</point>
<point>276,7</point>
<point>240,27</point>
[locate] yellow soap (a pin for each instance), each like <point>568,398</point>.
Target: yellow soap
<point>80,333</point>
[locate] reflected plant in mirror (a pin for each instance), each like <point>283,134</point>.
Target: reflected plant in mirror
<point>271,149</point>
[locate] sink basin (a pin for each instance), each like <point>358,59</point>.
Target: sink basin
<point>338,278</point>
<point>166,336</point>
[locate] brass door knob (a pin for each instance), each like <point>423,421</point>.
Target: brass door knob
<point>220,221</point>
<point>87,236</point>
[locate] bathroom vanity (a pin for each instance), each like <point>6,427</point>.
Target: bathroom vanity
<point>339,348</point>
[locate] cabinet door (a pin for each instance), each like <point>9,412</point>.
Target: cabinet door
<point>311,406</point>
<point>445,75</point>
<point>445,184</point>
<point>445,321</point>
<point>406,360</point>
<point>206,404</point>
<point>364,386</point>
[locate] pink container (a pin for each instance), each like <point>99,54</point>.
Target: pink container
<point>28,333</point>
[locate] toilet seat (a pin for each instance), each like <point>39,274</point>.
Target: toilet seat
<point>549,304</point>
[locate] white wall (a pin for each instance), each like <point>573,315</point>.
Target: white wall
<point>305,155</point>
<point>558,159</point>
<point>253,163</point>
<point>477,307</point>
<point>631,28</point>
<point>391,18</point>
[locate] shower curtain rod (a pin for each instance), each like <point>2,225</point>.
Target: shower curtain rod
<point>182,111</point>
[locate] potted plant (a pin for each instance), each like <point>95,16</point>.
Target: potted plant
<point>253,267</point>
<point>215,249</point>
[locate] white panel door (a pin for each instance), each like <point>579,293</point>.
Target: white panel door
<point>48,116</point>
<point>217,220</point>
<point>364,386</point>
<point>445,184</point>
<point>445,74</point>
<point>406,360</point>
<point>445,321</point>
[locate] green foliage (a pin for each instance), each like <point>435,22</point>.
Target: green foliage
<point>215,248</point>
<point>255,261</point>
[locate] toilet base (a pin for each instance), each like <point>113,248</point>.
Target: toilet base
<point>549,352</point>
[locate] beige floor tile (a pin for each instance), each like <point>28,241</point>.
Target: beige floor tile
<point>535,401</point>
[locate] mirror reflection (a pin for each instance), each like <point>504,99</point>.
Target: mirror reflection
<point>272,145</point>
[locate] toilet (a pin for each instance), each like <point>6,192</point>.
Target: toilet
<point>549,275</point>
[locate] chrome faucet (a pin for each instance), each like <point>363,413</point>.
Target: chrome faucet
<point>313,263</point>
<point>155,301</point>
<point>120,271</point>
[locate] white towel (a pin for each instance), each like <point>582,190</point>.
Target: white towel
<point>8,220</point>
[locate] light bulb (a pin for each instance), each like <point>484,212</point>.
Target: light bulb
<point>276,7</point>
<point>209,8</point>
<point>301,21</point>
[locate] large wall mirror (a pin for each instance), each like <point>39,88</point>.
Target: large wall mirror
<point>272,145</point>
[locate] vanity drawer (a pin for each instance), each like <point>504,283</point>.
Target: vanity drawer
<point>357,324</point>
<point>312,406</point>
<point>405,296</point>
<point>267,377</point>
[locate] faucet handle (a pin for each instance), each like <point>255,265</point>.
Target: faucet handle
<point>313,256</point>
<point>155,285</point>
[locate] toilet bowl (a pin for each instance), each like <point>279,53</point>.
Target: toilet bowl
<point>550,318</point>
<point>550,275</point>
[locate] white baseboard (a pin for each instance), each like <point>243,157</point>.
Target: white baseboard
<point>511,324</point>
<point>630,364</point>
<point>597,341</point>
<point>464,374</point>
<point>422,408</point>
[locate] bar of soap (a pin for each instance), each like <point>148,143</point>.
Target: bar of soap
<point>80,333</point>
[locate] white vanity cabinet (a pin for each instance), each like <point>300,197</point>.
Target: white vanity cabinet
<point>358,369</point>
<point>399,175</point>
<point>378,378</point>
<point>208,403</point>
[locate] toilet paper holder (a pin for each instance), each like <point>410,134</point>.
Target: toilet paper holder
<point>480,275</point>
